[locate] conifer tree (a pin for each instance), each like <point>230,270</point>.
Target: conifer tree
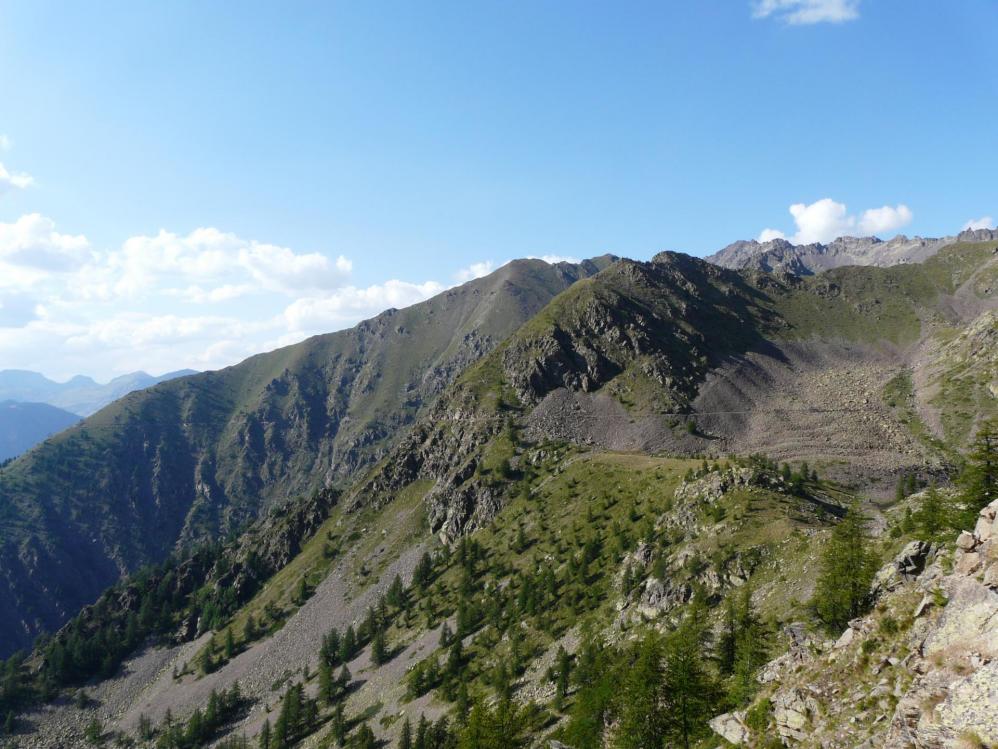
<point>728,645</point>
<point>641,715</point>
<point>379,648</point>
<point>750,648</point>
<point>934,515</point>
<point>364,738</point>
<point>348,645</point>
<point>325,682</point>
<point>343,680</point>
<point>979,478</point>
<point>847,568</point>
<point>265,737</point>
<point>690,692</point>
<point>338,724</point>
<point>422,733</point>
<point>405,736</point>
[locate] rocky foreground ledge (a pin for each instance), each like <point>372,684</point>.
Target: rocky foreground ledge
<point>921,670</point>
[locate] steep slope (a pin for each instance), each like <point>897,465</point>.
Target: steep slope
<point>513,592</point>
<point>24,425</point>
<point>198,457</point>
<point>808,259</point>
<point>80,395</point>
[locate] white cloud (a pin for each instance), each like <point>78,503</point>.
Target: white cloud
<point>768,235</point>
<point>208,255</point>
<point>984,222</point>
<point>821,221</point>
<point>825,220</point>
<point>16,309</point>
<point>473,271</point>
<point>13,181</point>
<point>804,12</point>
<point>4,142</point>
<point>554,259</point>
<point>168,300</point>
<point>352,304</point>
<point>884,220</point>
<point>32,242</point>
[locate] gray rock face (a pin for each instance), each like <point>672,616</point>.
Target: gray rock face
<point>806,260</point>
<point>731,727</point>
<point>906,566</point>
<point>792,713</point>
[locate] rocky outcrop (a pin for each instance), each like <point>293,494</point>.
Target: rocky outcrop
<point>955,691</point>
<point>921,670</point>
<point>909,563</point>
<point>808,259</point>
<point>793,712</point>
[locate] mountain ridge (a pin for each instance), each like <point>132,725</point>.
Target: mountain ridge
<point>197,458</point>
<point>807,259</point>
<point>81,395</point>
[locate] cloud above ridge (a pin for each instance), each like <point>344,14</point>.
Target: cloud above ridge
<point>825,220</point>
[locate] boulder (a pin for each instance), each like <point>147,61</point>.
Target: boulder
<point>991,575</point>
<point>966,541</point>
<point>731,727</point>
<point>846,638</point>
<point>792,711</point>
<point>909,563</point>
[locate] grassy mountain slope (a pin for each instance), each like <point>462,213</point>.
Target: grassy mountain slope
<point>603,542</point>
<point>199,457</point>
<point>567,535</point>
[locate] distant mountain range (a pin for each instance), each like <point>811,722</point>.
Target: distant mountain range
<point>24,425</point>
<point>808,259</point>
<point>81,395</point>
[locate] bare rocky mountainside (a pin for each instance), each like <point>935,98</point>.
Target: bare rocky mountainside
<point>624,504</point>
<point>807,259</point>
<point>197,458</point>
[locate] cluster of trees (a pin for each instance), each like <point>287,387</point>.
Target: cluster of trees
<point>199,730</point>
<point>149,604</point>
<point>297,718</point>
<point>657,691</point>
<point>96,644</point>
<point>942,511</point>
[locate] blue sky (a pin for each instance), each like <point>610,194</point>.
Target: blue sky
<point>184,184</point>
